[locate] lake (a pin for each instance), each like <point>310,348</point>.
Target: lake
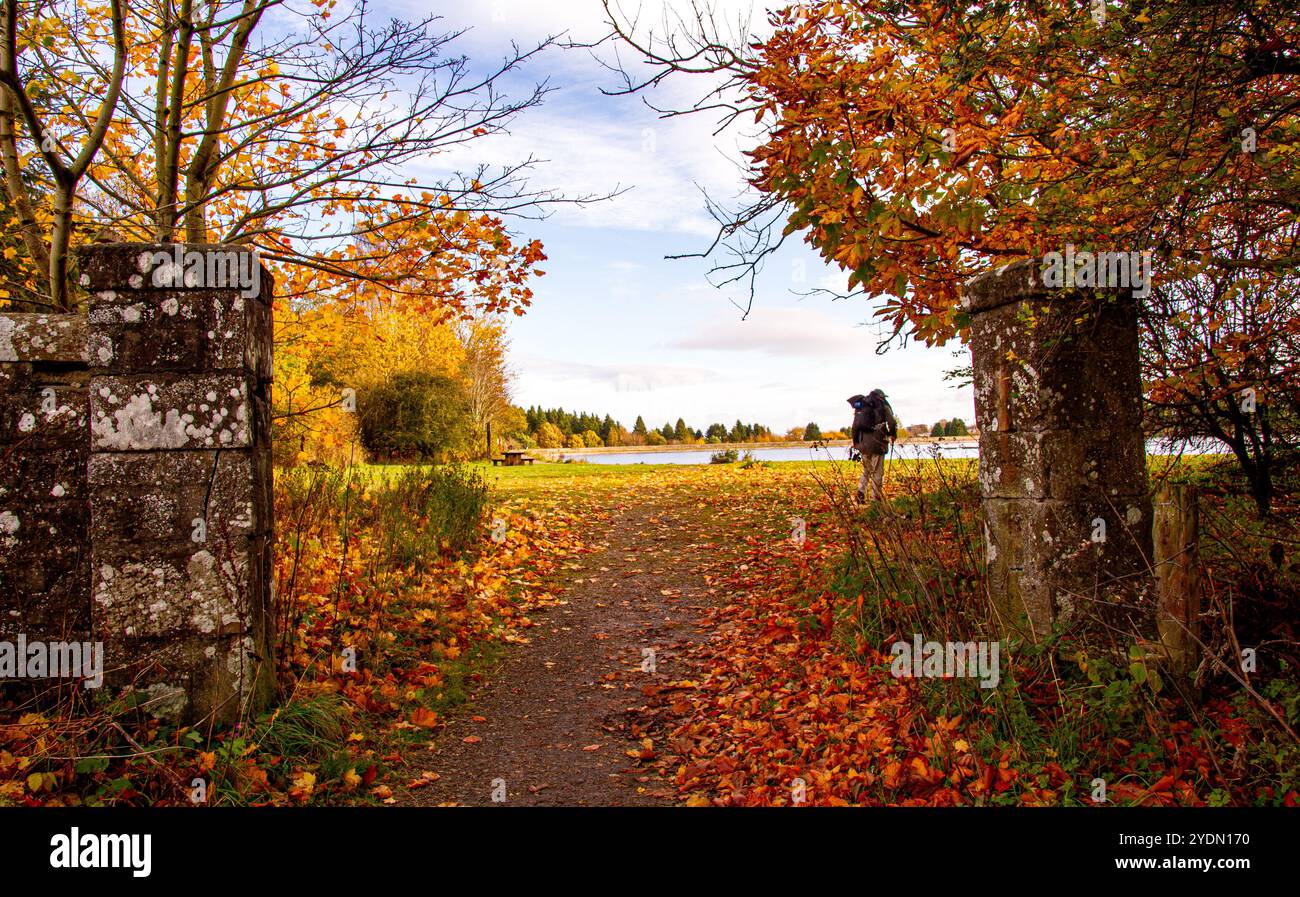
<point>840,452</point>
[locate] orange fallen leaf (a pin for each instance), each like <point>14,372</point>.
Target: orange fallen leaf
<point>425,779</point>
<point>424,718</point>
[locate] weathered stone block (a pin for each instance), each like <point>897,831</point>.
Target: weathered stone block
<point>44,567</point>
<point>38,416</point>
<point>117,272</point>
<point>38,337</point>
<point>174,501</point>
<point>1078,563</point>
<point>28,477</point>
<point>1057,363</point>
<point>170,411</point>
<point>191,678</point>
<point>180,330</point>
<point>1060,464</point>
<point>203,592</point>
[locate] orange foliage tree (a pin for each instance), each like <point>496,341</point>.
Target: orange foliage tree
<point>915,144</point>
<point>315,137</point>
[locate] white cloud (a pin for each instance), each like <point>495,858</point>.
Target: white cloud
<point>587,143</point>
<point>804,332</point>
<point>621,377</point>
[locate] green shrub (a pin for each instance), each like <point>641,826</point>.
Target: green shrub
<point>415,416</point>
<point>726,456</point>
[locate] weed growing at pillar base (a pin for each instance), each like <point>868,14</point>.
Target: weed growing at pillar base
<point>208,268</point>
<point>37,659</point>
<point>946,660</point>
<point>1129,270</point>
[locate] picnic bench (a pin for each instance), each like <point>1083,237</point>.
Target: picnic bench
<point>513,458</point>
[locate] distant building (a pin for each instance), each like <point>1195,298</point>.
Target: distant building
<point>918,430</point>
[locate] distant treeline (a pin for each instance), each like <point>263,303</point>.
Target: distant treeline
<point>558,428</point>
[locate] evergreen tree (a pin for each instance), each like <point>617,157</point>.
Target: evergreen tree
<point>811,432</point>
<point>639,428</point>
<point>680,433</point>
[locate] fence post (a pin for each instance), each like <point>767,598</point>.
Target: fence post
<point>1175,535</point>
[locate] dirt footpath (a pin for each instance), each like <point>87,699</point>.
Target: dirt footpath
<point>556,722</point>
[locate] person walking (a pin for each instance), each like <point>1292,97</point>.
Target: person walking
<point>874,428</point>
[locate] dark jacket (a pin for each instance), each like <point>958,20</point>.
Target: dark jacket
<point>874,424</point>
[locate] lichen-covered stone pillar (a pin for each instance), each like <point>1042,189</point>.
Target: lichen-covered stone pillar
<point>180,475</point>
<point>44,512</point>
<point>1062,458</point>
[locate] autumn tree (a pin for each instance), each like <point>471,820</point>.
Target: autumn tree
<point>549,436</point>
<point>47,114</point>
<point>486,373</point>
<point>1222,358</point>
<point>915,144</point>
<point>415,416</point>
<point>202,120</point>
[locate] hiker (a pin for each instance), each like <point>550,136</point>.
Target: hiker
<point>874,428</point>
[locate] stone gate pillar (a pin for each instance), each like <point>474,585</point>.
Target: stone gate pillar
<point>44,510</point>
<point>1062,458</point>
<point>179,348</point>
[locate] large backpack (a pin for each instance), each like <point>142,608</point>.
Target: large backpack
<point>875,415</point>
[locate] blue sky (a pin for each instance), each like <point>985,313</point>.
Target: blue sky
<point>617,328</point>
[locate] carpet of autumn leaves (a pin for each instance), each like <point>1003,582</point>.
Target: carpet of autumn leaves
<point>382,626</point>
<point>393,605</point>
<point>793,702</point>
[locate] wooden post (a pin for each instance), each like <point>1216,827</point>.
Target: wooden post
<point>1178,574</point>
